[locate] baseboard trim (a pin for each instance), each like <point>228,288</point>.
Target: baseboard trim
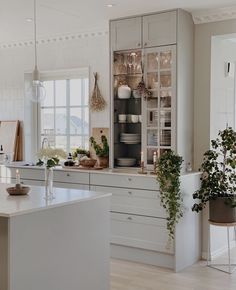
<point>219,251</point>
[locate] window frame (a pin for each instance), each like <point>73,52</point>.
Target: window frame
<point>67,75</point>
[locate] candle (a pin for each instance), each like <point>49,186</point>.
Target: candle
<point>154,157</point>
<point>142,160</point>
<point>17,176</point>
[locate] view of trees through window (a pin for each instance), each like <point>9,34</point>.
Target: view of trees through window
<point>65,113</point>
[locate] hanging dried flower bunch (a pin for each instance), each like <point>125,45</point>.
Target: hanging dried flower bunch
<point>141,88</point>
<point>143,91</point>
<point>97,102</point>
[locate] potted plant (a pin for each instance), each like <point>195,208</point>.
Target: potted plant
<point>218,181</point>
<point>101,150</point>
<point>168,176</point>
<point>79,153</point>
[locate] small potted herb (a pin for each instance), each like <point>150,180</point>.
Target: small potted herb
<point>101,150</point>
<point>218,181</point>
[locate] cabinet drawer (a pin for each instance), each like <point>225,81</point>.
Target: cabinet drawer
<point>134,201</point>
<point>27,173</point>
<point>128,181</point>
<point>71,185</point>
<point>71,177</point>
<point>140,232</point>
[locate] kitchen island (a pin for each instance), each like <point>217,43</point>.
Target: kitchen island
<point>54,245</point>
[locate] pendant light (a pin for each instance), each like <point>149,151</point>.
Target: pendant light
<point>38,91</point>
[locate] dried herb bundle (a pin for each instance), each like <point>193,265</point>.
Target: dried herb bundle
<point>143,91</point>
<point>97,102</point>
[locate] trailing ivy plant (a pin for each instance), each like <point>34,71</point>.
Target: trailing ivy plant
<point>219,171</point>
<point>168,176</point>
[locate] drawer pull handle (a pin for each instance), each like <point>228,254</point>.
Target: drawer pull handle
<point>130,192</point>
<point>68,174</point>
<point>129,218</point>
<point>129,179</point>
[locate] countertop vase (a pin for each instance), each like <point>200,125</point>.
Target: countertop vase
<point>49,183</point>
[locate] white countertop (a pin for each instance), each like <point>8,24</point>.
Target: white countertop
<point>35,201</point>
<point>117,171</point>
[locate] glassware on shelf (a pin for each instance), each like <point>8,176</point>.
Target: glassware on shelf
<point>152,80</point>
<point>152,62</point>
<point>165,60</point>
<point>165,79</point>
<point>165,101</point>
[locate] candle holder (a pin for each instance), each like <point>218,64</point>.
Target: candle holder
<point>142,169</point>
<point>154,172</point>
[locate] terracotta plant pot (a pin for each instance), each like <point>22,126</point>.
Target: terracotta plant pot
<point>220,212</point>
<point>102,162</point>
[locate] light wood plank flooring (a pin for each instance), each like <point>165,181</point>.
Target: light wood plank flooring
<point>133,276</point>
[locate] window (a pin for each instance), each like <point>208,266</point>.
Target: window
<point>64,114</point>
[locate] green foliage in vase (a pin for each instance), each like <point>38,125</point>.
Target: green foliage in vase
<point>80,151</point>
<point>168,176</point>
<point>101,150</point>
<point>219,171</point>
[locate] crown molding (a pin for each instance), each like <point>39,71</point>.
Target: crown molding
<point>53,39</point>
<point>213,15</point>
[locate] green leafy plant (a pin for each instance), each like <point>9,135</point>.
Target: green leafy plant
<point>101,150</point>
<point>219,171</point>
<point>50,157</point>
<point>80,151</point>
<point>168,176</point>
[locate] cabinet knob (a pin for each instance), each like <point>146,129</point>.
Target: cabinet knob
<point>22,182</point>
<point>129,218</point>
<point>68,174</point>
<point>145,44</point>
<point>129,179</point>
<point>130,192</point>
<point>139,44</point>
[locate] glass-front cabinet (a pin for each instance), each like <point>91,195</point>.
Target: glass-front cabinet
<point>158,128</point>
<point>143,104</point>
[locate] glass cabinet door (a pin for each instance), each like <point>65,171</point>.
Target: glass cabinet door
<point>159,123</point>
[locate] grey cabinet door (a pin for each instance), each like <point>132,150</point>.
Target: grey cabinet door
<point>126,34</point>
<point>159,29</point>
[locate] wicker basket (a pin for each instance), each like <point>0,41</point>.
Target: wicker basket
<point>88,162</point>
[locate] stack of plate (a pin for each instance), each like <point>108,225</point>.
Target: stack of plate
<point>126,162</point>
<point>129,138</point>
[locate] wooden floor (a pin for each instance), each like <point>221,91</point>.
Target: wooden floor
<point>133,276</point>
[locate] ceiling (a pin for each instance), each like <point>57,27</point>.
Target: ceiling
<point>60,17</point>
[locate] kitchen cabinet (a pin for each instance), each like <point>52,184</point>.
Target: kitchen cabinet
<point>144,31</point>
<point>159,29</point>
<point>160,119</point>
<point>138,221</point>
<point>126,33</point>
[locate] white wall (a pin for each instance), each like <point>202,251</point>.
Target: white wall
<point>202,105</point>
<point>222,87</point>
<point>92,51</point>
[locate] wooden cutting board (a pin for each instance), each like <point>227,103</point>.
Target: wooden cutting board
<point>9,131</point>
<point>97,133</point>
